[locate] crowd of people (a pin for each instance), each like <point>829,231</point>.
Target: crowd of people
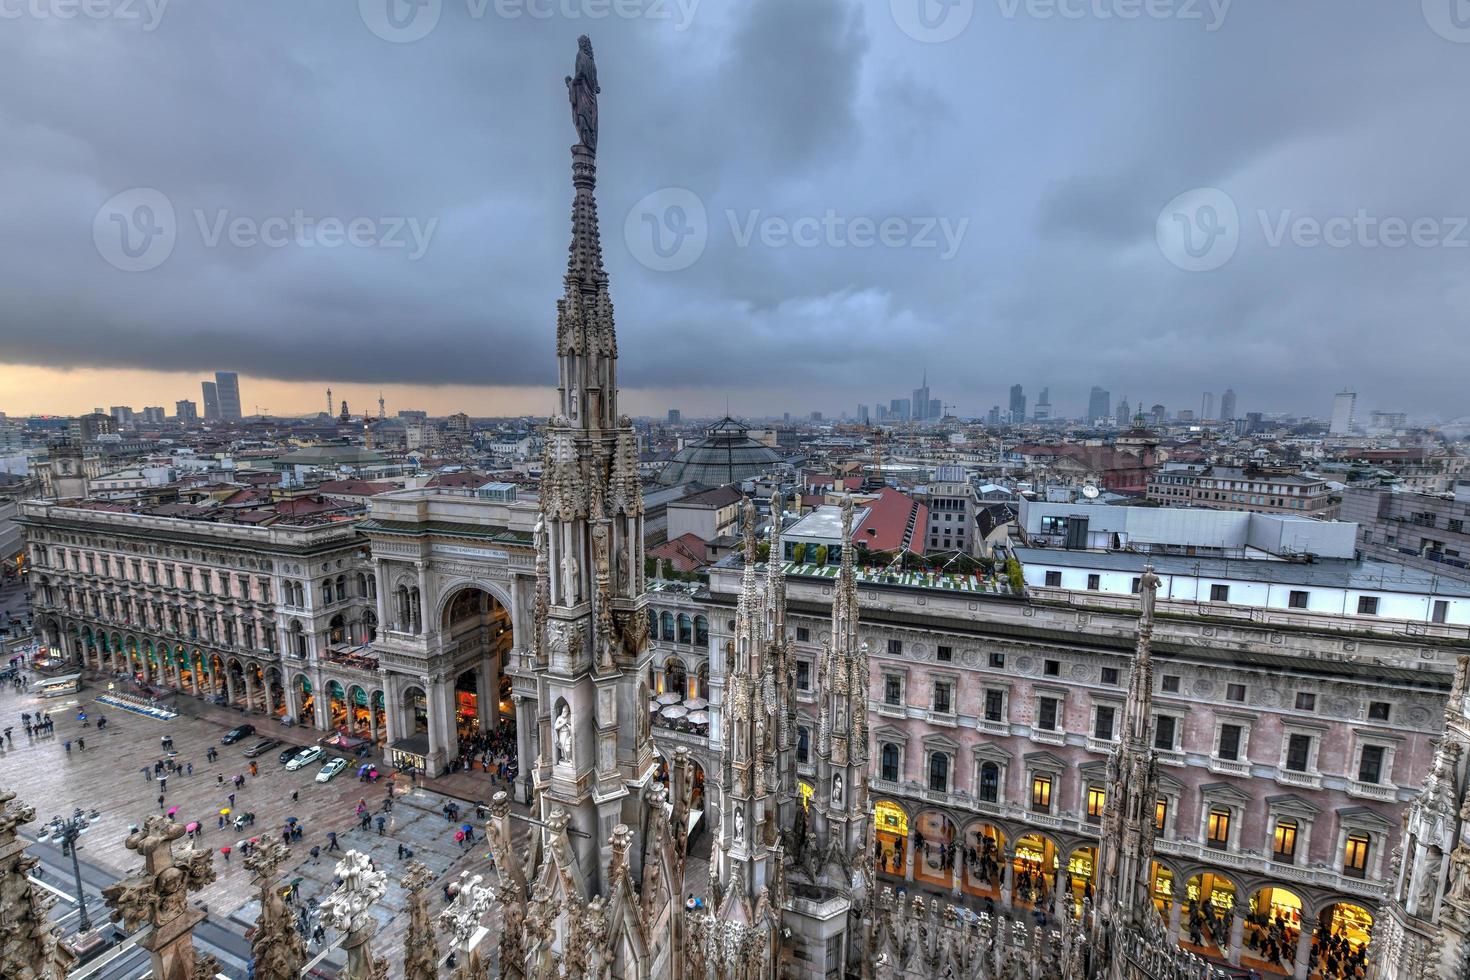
<point>492,752</point>
<point>1335,956</point>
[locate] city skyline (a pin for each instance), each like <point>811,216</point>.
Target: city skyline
<point>76,393</point>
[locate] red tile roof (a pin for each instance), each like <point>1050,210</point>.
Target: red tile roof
<point>893,521</point>
<point>686,552</point>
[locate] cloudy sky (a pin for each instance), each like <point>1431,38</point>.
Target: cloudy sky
<point>804,203</point>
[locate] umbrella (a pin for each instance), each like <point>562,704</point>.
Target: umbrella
<point>467,828</point>
<point>675,711</point>
<point>669,697</point>
<point>290,819</point>
<point>225,812</point>
<point>654,705</point>
<point>224,850</point>
<point>173,810</point>
<point>192,827</point>
<point>695,704</point>
<point>699,717</point>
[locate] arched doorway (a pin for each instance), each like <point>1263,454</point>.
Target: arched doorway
<point>890,836</point>
<point>235,688</point>
<point>675,679</point>
<point>1273,930</point>
<point>1342,942</point>
<point>984,859</point>
<point>934,855</point>
<point>478,627</point>
<point>304,699</point>
<point>1079,874</point>
<point>217,676</point>
<point>380,717</point>
<point>361,717</point>
<point>1034,867</point>
<point>277,693</point>
<point>416,711</point>
<point>467,704</point>
<point>336,706</point>
<point>1207,913</point>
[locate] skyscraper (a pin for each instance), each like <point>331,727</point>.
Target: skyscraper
<point>675,416</point>
<point>1227,405</point>
<point>1344,413</point>
<point>1207,406</point>
<point>1018,404</point>
<point>1042,412</point>
<point>1099,404</point>
<point>186,411</point>
<point>1125,413</point>
<point>211,402</point>
<point>900,409</point>
<point>227,386</point>
<point>921,399</point>
<point>862,415</point>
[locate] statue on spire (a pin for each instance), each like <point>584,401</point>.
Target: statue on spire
<point>582,91</point>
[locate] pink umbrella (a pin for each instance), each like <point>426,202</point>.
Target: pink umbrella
<point>192,827</point>
<point>173,810</point>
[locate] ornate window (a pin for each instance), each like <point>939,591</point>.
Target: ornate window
<point>890,762</point>
<point>938,772</point>
<point>989,782</point>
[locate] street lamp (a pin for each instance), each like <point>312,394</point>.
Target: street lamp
<point>67,831</point>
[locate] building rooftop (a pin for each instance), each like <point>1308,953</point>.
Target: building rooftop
<point>1364,575</point>
<point>725,455</point>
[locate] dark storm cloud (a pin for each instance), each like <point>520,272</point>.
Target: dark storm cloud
<point>1045,146</point>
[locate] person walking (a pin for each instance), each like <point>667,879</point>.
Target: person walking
<point>67,743</point>
<point>332,842</point>
<point>162,783</point>
<point>232,799</point>
<point>254,769</point>
<point>160,801</point>
<point>316,853</point>
<point>81,743</point>
<point>189,769</point>
<point>381,823</point>
<point>219,779</point>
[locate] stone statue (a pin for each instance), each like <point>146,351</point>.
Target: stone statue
<point>277,947</point>
<point>563,728</point>
<point>569,579</point>
<point>538,535</point>
<point>1459,892</point>
<point>582,92</point>
<point>349,910</point>
<point>739,826</point>
<point>1428,883</point>
<point>28,940</point>
<point>420,950</point>
<point>837,789</point>
<point>462,918</point>
<point>158,896</point>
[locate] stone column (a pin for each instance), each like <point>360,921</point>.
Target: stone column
<point>908,856</point>
<point>1175,910</point>
<point>249,690</point>
<point>372,720</point>
<point>1237,937</point>
<point>1303,950</point>
<point>229,685</point>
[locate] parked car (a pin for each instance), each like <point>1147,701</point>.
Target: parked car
<point>238,732</point>
<point>333,766</point>
<point>262,747</point>
<point>305,757</point>
<point>289,752</point>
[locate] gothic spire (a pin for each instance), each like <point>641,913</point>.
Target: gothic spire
<point>1126,847</point>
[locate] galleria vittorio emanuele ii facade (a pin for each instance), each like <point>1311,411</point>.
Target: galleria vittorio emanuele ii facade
<point>828,858</point>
